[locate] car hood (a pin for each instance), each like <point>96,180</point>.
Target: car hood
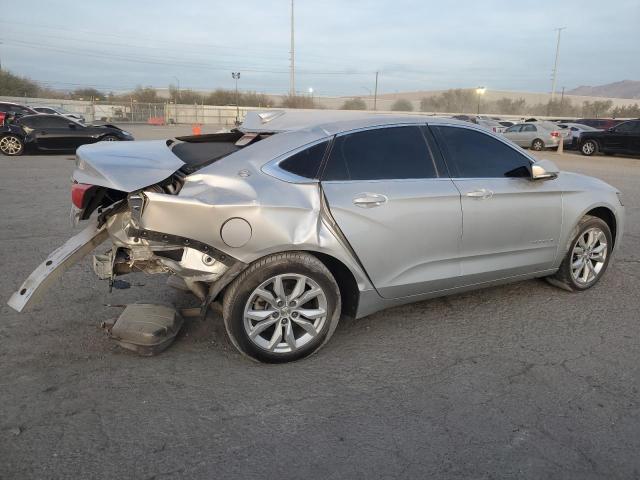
<point>126,166</point>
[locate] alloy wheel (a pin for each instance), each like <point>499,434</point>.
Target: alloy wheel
<point>285,313</point>
<point>10,145</point>
<point>588,256</point>
<point>588,148</point>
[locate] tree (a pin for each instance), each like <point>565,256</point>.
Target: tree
<point>87,94</point>
<point>402,105</point>
<point>14,86</point>
<point>298,101</point>
<point>354,104</point>
<point>508,106</point>
<point>598,108</point>
<point>627,111</point>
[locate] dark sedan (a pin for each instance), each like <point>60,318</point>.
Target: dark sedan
<point>54,134</point>
<point>623,138</point>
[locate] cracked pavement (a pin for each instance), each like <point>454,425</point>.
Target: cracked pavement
<point>521,381</point>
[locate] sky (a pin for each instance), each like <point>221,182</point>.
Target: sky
<point>415,45</point>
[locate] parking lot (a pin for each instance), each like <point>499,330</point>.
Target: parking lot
<point>519,381</point>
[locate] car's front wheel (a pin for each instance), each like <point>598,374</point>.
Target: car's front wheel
<point>588,256</point>
<point>589,147</point>
<point>282,308</point>
<point>110,138</point>
<point>11,145</point>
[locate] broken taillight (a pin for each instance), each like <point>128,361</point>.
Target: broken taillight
<point>80,194</point>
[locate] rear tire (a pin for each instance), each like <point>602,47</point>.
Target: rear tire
<point>11,145</point>
<point>282,308</point>
<point>537,145</point>
<point>589,147</point>
<point>587,258</point>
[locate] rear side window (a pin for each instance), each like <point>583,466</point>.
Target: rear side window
<point>305,163</point>
<point>380,154</point>
<point>473,154</point>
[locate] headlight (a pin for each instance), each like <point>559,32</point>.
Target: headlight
<point>619,194</point>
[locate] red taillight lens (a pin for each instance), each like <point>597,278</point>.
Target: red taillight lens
<point>555,134</point>
<point>79,193</point>
<point>2,115</point>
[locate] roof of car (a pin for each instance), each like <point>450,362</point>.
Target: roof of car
<point>330,122</point>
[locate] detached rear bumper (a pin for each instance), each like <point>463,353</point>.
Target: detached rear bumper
<point>56,263</point>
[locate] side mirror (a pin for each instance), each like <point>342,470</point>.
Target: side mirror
<point>72,125</point>
<point>544,170</point>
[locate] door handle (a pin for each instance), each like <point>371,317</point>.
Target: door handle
<point>483,194</point>
<point>368,200</point>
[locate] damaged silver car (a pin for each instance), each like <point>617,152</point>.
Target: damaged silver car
<point>297,218</point>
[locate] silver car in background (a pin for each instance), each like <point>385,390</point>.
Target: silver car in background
<point>535,135</point>
<point>575,130</point>
<point>298,218</point>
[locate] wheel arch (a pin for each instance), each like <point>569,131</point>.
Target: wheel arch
<point>607,216</point>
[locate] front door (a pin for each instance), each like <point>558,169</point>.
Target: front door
<point>398,210</point>
<point>511,224</point>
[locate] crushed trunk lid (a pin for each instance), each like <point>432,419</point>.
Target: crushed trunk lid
<point>126,166</point>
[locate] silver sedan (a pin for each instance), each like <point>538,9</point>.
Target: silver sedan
<point>535,135</point>
<point>297,218</point>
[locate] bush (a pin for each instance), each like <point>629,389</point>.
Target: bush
<point>298,101</point>
<point>354,104</point>
<point>402,105</point>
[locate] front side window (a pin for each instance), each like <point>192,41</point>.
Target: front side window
<point>625,127</point>
<point>529,128</point>
<point>307,162</point>
<point>54,121</point>
<point>514,129</point>
<point>473,154</point>
<point>380,154</point>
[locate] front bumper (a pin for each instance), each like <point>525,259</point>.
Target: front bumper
<point>57,262</point>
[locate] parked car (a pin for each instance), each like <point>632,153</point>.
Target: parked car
<point>506,123</point>
<point>9,111</point>
<point>623,138</point>
<point>535,135</point>
<point>491,125</point>
<point>298,218</point>
<point>53,133</point>
<point>575,131</point>
<point>600,123</point>
<point>59,111</point>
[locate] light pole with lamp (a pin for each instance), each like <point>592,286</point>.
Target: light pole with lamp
<point>311,95</point>
<point>480,91</point>
<point>236,77</point>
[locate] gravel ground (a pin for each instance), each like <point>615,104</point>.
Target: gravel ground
<point>521,381</point>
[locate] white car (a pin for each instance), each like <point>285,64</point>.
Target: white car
<point>575,130</point>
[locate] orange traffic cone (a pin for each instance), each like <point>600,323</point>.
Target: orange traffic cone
<point>196,129</point>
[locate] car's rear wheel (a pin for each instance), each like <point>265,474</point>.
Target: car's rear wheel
<point>588,256</point>
<point>110,138</point>
<point>11,145</point>
<point>537,145</point>
<point>282,308</point>
<point>589,147</point>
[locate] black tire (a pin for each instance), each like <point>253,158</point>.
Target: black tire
<point>242,289</point>
<point>563,278</point>
<point>109,138</point>
<point>11,145</point>
<point>537,145</point>
<point>589,147</point>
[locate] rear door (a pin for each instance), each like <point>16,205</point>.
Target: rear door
<point>618,139</point>
<point>528,133</point>
<point>511,224</point>
<point>397,207</point>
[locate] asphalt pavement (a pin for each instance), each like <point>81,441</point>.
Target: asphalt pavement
<point>521,381</point>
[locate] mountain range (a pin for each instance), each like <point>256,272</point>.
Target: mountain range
<point>623,89</point>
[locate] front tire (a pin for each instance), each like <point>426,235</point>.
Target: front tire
<point>588,256</point>
<point>11,145</point>
<point>109,138</point>
<point>537,145</point>
<point>282,308</point>
<point>589,147</point>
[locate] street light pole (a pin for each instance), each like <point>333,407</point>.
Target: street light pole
<point>375,95</point>
<point>479,92</point>
<point>236,77</point>
<point>178,87</point>
<point>555,65</point>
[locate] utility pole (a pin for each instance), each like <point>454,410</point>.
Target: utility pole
<point>375,94</point>
<point>292,71</point>
<point>236,77</point>
<point>555,65</point>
